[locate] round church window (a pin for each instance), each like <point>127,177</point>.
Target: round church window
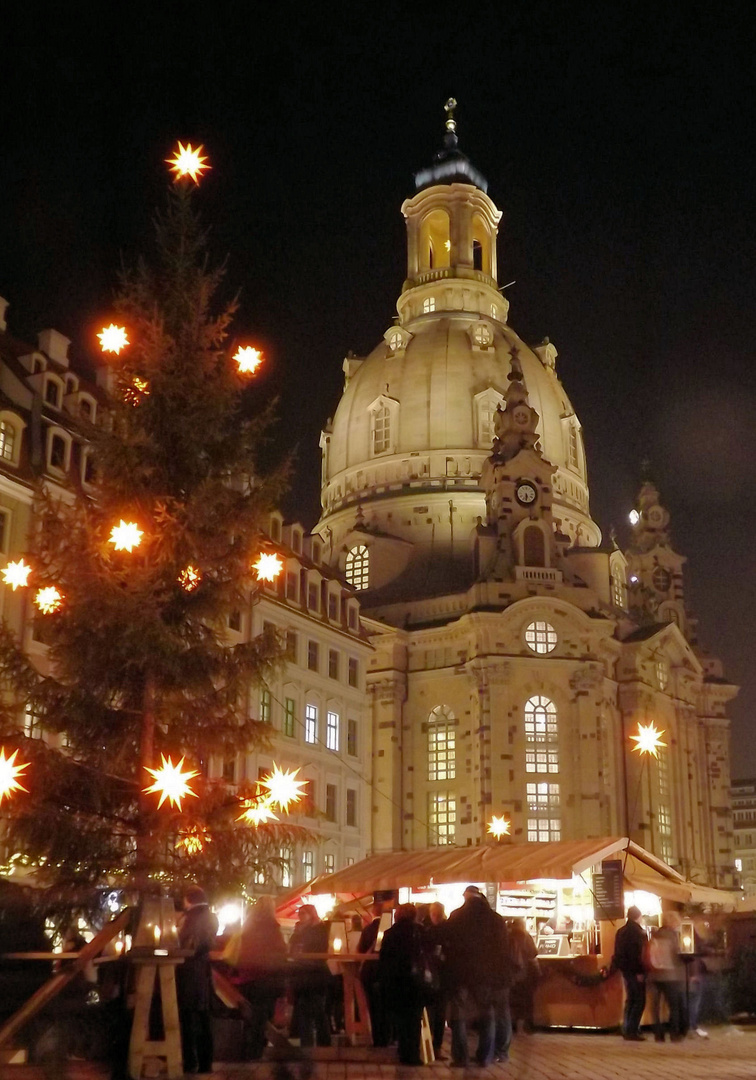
<point>541,637</point>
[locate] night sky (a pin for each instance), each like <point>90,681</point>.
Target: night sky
<point>617,140</point>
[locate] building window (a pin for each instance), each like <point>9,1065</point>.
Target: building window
<point>52,393</point>
<point>351,807</point>
<point>4,520</point>
<point>330,805</point>
<point>487,410</point>
<point>308,866</point>
<point>313,656</point>
<point>287,877</point>
<point>312,596</point>
<point>7,440</point>
<point>572,445</point>
<point>32,723</point>
<point>352,618</point>
<point>357,566</point>
<point>352,738</point>
<point>618,591</point>
<point>395,340</point>
<point>542,796</point>
<point>541,637</point>
<point>540,720</point>
<point>332,731</point>
<point>265,706</point>
<point>289,717</point>
<point>229,769</point>
<point>333,607</point>
<point>429,305</point>
<point>58,448</point>
<point>333,664</point>
<point>541,761</point>
<point>234,621</point>
<point>291,586</point>
<point>542,830</point>
<point>442,817</point>
<point>311,724</point>
<point>441,744</point>
<point>543,801</point>
<point>662,674</point>
<point>354,671</point>
<point>381,426</point>
<point>292,643</point>
<point>328,863</point>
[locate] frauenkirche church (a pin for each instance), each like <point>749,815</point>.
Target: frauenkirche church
<point>516,654</point>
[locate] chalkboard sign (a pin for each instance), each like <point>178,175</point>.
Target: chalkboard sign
<point>548,945</point>
<point>608,898</point>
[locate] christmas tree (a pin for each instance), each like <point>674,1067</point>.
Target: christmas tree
<point>135,580</point>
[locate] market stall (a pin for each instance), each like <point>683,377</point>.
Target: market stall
<point>572,895</point>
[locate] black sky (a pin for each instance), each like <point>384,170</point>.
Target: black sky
<point>617,139</point>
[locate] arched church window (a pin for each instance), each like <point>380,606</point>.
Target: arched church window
<point>533,547</point>
<point>442,763</point>
<point>429,305</point>
<point>357,567</point>
<point>381,429</point>
<point>541,637</point>
<point>7,440</point>
<point>434,239</point>
<point>541,750</point>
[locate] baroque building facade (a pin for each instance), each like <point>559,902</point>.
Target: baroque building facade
<point>516,654</point>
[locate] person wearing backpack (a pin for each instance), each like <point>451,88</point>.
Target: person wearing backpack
<point>666,975</point>
<point>629,945</point>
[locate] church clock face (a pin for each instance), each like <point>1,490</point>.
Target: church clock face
<point>525,493</point>
<point>661,579</point>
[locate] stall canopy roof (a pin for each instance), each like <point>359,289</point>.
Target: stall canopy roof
<point>512,863</point>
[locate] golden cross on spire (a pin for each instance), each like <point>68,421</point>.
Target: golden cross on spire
<point>449,107</point>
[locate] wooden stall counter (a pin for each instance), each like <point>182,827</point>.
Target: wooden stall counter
<point>572,993</point>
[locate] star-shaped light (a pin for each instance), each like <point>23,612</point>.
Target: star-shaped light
<point>170,782</point>
<point>9,773</point>
<point>113,338</point>
<point>188,162</point>
<point>125,536</point>
<point>189,578</point>
<point>498,827</point>
<point>16,574</point>
<point>248,359</point>
<point>257,812</point>
<point>268,567</point>
<point>193,841</point>
<point>49,600</point>
<point>283,787</point>
<point>648,740</point>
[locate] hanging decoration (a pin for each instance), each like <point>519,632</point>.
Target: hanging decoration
<point>648,740</point>
<point>16,574</point>
<point>194,840</point>
<point>188,162</point>
<point>268,567</point>
<point>248,359</point>
<point>113,339</point>
<point>126,536</point>
<point>9,774</point>
<point>498,827</point>
<point>170,782</point>
<point>49,600</point>
<point>257,812</point>
<point>283,787</point>
<point>139,389</point>
<point>189,578</point>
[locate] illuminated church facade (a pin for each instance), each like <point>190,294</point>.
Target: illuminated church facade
<point>516,654</point>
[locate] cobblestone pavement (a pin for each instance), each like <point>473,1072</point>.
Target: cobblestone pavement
<point>728,1054</point>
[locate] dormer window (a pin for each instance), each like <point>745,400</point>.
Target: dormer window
<point>482,335</point>
<point>395,340</point>
<point>429,305</point>
<point>58,448</point>
<point>486,405</point>
<point>7,440</point>
<point>383,425</point>
<point>52,393</point>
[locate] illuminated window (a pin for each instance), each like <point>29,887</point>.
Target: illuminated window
<point>487,405</point>
<point>429,305</point>
<point>662,674</point>
<point>287,877</point>
<point>289,717</point>
<point>543,796</point>
<point>328,863</point>
<point>32,723</point>
<point>332,731</point>
<point>618,590</point>
<point>543,830</point>
<point>442,817</point>
<point>381,419</point>
<point>541,637</point>
<point>441,744</point>
<point>482,334</point>
<point>540,720</point>
<point>543,802</point>
<point>664,824</point>
<point>7,440</point>
<point>739,865</point>
<point>308,865</point>
<point>265,706</point>
<point>396,340</point>
<point>311,724</point>
<point>357,567</point>
<point>541,761</point>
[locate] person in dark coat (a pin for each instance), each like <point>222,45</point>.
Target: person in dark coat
<point>196,932</point>
<point>628,960</point>
<point>438,996</point>
<point>259,959</point>
<point>310,979</point>
<point>526,974</point>
<point>480,974</point>
<point>401,960</point>
<point>371,979</point>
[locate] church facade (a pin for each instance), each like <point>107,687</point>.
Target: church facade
<point>518,658</point>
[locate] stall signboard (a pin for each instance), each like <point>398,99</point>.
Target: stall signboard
<point>549,945</point>
<point>608,899</point>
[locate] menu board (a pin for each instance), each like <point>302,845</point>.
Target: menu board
<point>608,898</point>
<point>548,944</point>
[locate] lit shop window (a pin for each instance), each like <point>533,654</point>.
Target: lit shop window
<point>541,637</point>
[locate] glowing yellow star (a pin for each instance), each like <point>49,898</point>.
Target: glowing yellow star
<point>248,359</point>
<point>257,812</point>
<point>283,787</point>
<point>113,338</point>
<point>49,600</point>
<point>498,827</point>
<point>171,782</point>
<point>268,567</point>
<point>193,841</point>
<point>9,773</point>
<point>648,740</point>
<point>125,536</point>
<point>188,162</point>
<point>189,578</point>
<point>16,574</point>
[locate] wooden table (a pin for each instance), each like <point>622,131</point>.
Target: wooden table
<point>356,1010</point>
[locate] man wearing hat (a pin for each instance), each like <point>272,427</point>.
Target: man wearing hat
<point>628,959</point>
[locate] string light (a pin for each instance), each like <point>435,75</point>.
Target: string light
<point>648,740</point>
<point>125,536</point>
<point>49,600</point>
<point>268,567</point>
<point>16,574</point>
<point>498,827</point>
<point>248,359</point>
<point>9,774</point>
<point>113,339</point>
<point>189,578</point>
<point>283,787</point>
<point>138,389</point>
<point>188,162</point>
<point>170,782</point>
